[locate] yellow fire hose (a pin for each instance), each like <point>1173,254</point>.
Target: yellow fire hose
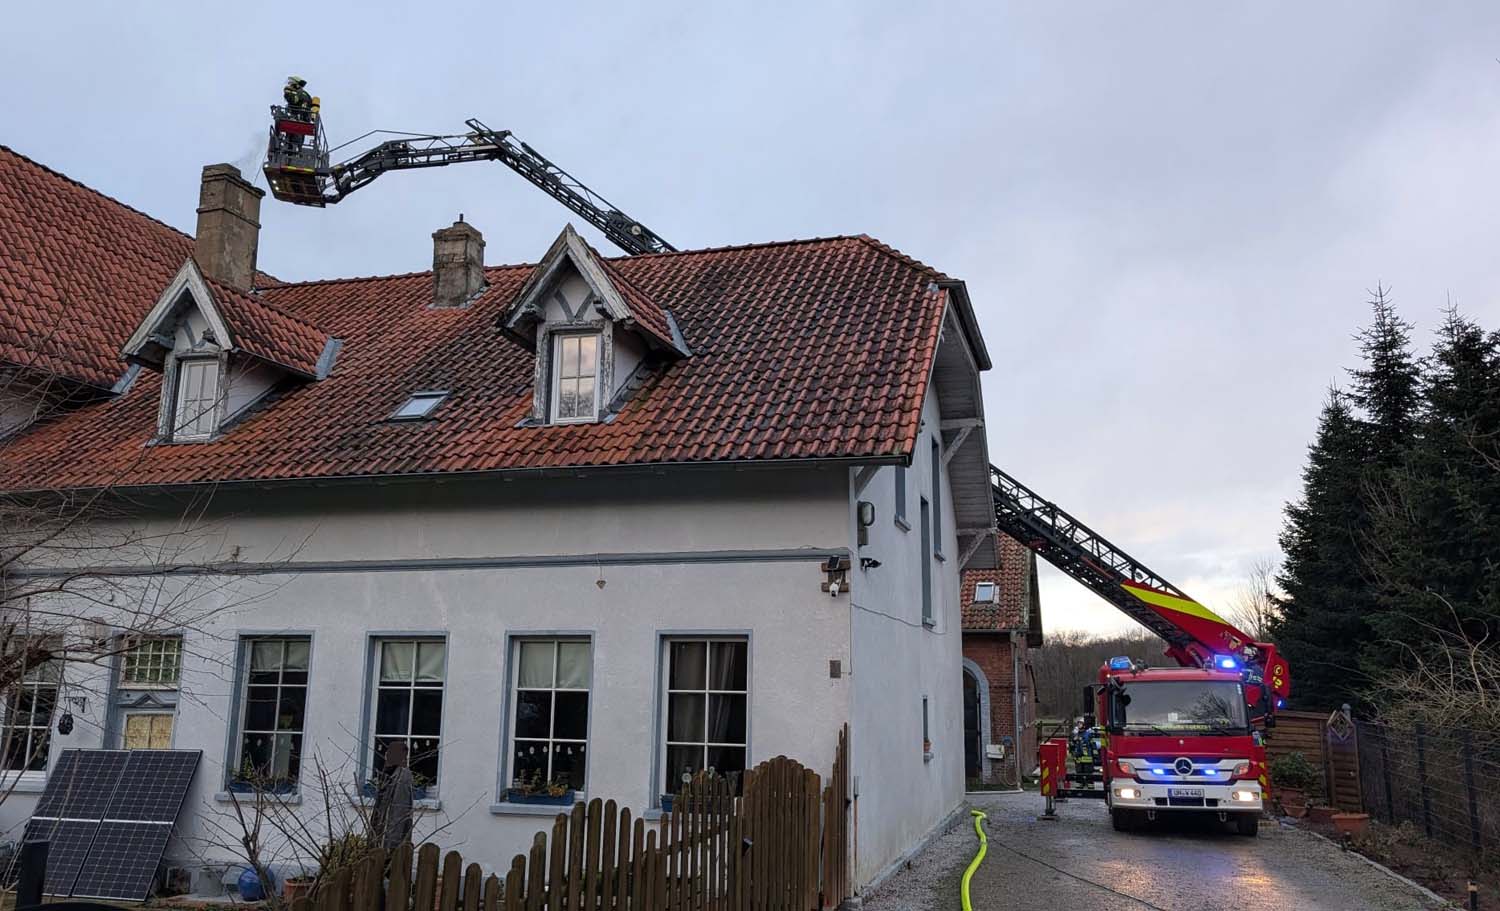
<point>984,844</point>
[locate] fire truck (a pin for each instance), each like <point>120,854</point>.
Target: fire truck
<point>1182,739</point>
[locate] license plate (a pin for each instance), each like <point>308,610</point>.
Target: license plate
<point>1184,792</point>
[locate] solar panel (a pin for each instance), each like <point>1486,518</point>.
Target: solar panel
<point>153,785</point>
<point>71,840</point>
<point>81,784</point>
<point>123,861</point>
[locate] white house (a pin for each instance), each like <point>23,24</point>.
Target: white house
<point>596,520</point>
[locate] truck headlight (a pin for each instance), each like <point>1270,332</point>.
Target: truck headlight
<point>1244,796</point>
<point>1128,793</point>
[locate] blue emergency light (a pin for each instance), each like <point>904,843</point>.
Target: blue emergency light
<point>1121,663</point>
<point>1226,662</point>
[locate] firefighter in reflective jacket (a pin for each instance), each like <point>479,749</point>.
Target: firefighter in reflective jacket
<point>298,101</point>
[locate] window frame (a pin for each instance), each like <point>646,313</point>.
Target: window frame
<point>373,685</point>
<point>237,731</point>
<point>927,556</point>
<point>132,644</point>
<point>511,702</point>
<point>991,587</point>
<point>555,376</point>
<point>33,681</point>
<point>436,397</point>
<point>177,432</point>
<point>937,498</point>
<point>665,640</point>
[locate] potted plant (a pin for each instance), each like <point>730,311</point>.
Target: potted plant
<point>1292,776</point>
<point>1351,823</point>
<point>1320,812</point>
<point>296,888</point>
<point>536,789</point>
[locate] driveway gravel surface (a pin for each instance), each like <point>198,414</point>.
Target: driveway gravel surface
<point>1079,863</point>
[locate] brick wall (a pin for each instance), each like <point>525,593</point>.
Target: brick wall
<point>992,652</point>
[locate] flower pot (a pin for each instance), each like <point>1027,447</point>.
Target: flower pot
<point>1296,810</point>
<point>297,888</point>
<point>666,803</point>
<point>1290,796</point>
<point>1351,823</point>
<point>1320,814</point>
<point>516,795</point>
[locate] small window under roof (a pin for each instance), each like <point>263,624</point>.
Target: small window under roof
<point>984,591</point>
<point>420,405</point>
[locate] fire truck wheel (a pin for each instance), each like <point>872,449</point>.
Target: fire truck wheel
<point>1247,824</point>
<point>1123,820</point>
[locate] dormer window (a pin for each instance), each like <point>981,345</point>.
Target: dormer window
<point>575,384</point>
<point>195,415</point>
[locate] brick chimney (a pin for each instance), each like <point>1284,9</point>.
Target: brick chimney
<point>228,226</point>
<point>457,264</point>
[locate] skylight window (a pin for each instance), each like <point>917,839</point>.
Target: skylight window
<point>984,592</point>
<point>421,405</point>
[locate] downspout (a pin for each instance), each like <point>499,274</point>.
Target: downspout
<point>1015,695</point>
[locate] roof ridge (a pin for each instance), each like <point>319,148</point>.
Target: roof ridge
<point>99,193</point>
<point>796,241</point>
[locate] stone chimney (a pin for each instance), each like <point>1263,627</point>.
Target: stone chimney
<point>228,226</point>
<point>457,264</point>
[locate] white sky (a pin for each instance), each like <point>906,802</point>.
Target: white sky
<point>1167,214</point>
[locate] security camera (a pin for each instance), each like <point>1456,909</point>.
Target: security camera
<point>833,589</point>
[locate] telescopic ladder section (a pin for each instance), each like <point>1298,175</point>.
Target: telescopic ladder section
<point>298,171</point>
<point>1195,635</point>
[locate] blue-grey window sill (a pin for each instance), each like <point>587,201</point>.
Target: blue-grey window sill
<point>290,800</point>
<point>901,523</point>
<point>531,809</point>
<point>425,803</point>
<point>938,556</point>
<point>653,814</point>
<point>929,623</point>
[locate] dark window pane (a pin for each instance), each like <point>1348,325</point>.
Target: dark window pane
<point>572,719</point>
<point>533,714</point>
<point>424,760</point>
<point>530,760</point>
<point>43,699</point>
<point>688,671</point>
<point>567,764</point>
<point>381,743</point>
<point>681,760</point>
<point>260,708</point>
<point>17,755</point>
<point>40,738</point>
<point>685,717</point>
<point>288,758</point>
<point>726,759</point>
<point>728,666</point>
<point>296,678</point>
<point>255,756</point>
<point>427,712</point>
<point>263,678</point>
<point>293,707</point>
<point>726,719</point>
<point>393,712</point>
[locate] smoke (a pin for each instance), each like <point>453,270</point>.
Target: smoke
<point>249,161</point>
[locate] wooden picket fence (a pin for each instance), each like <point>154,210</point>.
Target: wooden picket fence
<point>781,846</point>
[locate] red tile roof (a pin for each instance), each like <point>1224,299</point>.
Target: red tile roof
<point>264,330</point>
<point>78,272</point>
<point>1012,587</point>
<point>803,350</point>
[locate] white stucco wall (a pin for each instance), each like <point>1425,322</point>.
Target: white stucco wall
<point>739,569</point>
<point>898,661</point>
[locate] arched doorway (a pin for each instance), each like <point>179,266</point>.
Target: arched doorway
<point>973,753</point>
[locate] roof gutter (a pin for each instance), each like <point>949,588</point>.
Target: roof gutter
<point>497,474</point>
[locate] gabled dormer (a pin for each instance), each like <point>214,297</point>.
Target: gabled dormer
<point>593,332</point>
<point>220,351</point>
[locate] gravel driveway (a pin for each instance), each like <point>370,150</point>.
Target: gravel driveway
<point>1181,867</point>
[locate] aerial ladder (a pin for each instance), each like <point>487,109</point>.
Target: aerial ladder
<point>299,170</point>
<point>1196,637</point>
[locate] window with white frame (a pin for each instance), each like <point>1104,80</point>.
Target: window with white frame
<point>195,412</point>
<point>26,728</point>
<point>984,593</point>
<point>707,708</point>
<point>575,375</point>
<point>408,704</point>
<point>152,662</point>
<point>550,724</point>
<point>273,708</point>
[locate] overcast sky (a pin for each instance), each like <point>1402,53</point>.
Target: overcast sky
<point>1167,214</point>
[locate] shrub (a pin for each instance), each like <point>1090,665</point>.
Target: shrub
<point>1294,771</point>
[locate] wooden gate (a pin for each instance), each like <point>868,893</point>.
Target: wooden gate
<point>1330,743</point>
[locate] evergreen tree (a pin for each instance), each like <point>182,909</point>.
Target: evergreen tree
<point>1387,389</point>
<point>1321,626</point>
<point>1436,519</point>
